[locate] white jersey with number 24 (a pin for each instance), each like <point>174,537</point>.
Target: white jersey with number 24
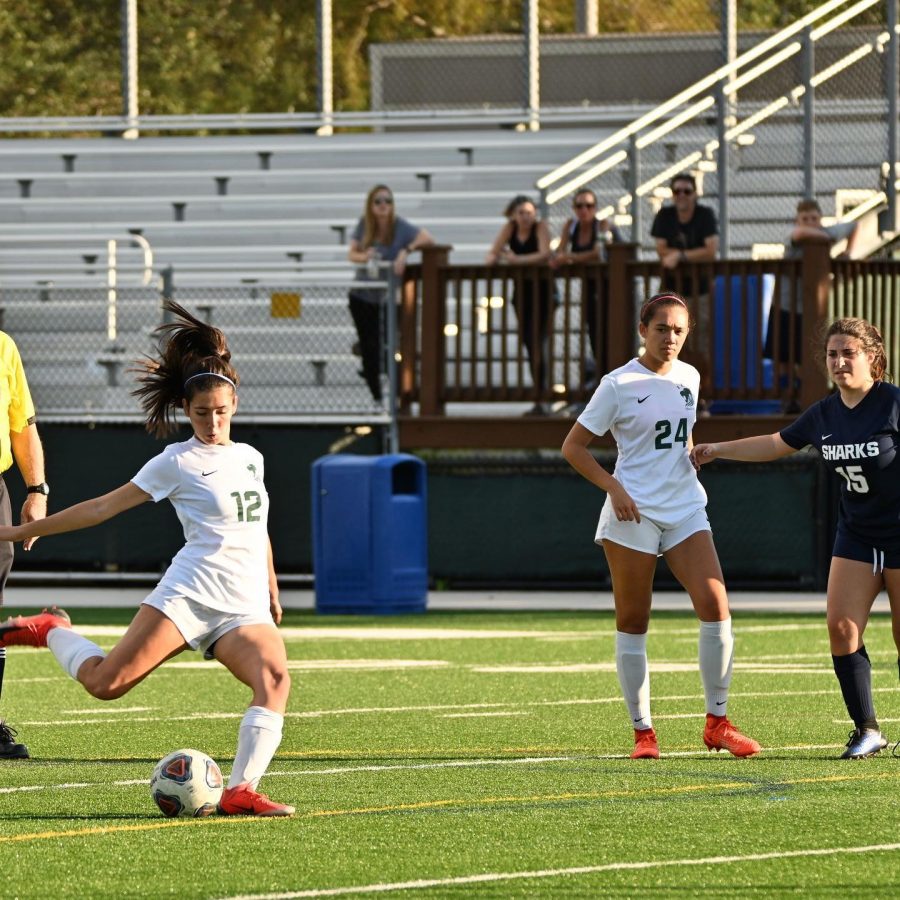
<point>651,418</point>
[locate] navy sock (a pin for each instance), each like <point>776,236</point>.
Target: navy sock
<point>854,674</point>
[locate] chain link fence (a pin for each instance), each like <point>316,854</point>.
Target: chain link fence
<point>294,346</point>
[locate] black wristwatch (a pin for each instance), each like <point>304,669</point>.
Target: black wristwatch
<point>42,488</point>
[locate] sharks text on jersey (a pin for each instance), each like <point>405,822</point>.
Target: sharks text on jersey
<point>850,451</point>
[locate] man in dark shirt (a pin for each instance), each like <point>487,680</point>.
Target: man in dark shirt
<point>687,236</point>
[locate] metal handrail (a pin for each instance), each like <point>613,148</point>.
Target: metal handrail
<point>723,78</point>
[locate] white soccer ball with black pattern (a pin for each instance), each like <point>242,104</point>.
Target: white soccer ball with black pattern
<point>186,783</point>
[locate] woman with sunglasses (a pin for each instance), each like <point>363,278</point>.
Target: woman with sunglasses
<point>583,241</point>
<point>525,241</point>
<point>380,237</point>
<point>856,430</point>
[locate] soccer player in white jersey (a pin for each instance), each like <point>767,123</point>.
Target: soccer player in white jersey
<point>219,594</point>
<point>857,431</point>
<point>655,506</point>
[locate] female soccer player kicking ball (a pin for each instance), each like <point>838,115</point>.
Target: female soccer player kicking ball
<point>857,431</point>
<point>219,594</point>
<point>655,506</point>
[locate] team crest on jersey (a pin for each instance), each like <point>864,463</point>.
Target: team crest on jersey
<point>688,396</point>
<point>252,470</point>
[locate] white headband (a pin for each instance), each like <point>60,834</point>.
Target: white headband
<point>210,375</point>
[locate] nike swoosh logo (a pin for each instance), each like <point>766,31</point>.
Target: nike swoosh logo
<point>826,436</point>
<point>204,474</point>
<point>642,399</point>
<point>721,702</point>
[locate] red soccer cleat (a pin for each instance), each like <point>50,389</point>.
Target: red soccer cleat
<point>645,745</point>
<point>31,631</point>
<point>720,734</point>
<point>244,801</point>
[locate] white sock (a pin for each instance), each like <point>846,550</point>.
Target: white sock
<point>71,649</point>
<point>716,652</point>
<point>258,739</point>
<point>634,677</point>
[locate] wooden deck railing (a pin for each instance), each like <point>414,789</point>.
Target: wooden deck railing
<point>467,332</point>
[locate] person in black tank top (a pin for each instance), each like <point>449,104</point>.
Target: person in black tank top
<point>583,241</point>
<point>525,241</point>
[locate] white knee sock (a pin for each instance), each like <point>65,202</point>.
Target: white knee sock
<point>634,676</point>
<point>258,739</point>
<point>71,650</point>
<point>716,651</point>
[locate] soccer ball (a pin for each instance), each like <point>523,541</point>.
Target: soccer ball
<point>186,783</point>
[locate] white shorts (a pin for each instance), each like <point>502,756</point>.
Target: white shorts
<point>199,625</point>
<point>648,536</point>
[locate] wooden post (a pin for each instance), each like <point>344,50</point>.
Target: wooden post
<point>431,369</point>
<point>620,329</point>
<point>408,332</point>
<point>815,279</point>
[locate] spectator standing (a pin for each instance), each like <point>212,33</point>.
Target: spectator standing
<point>856,429</point>
<point>583,240</point>
<point>687,234</point>
<point>525,241</point>
<point>807,226</point>
<point>380,237</point>
<point>19,442</point>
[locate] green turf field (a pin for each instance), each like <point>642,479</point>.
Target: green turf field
<point>461,755</point>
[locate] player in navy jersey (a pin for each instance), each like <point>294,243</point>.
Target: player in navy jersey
<point>655,506</point>
<point>219,594</point>
<point>857,432</point>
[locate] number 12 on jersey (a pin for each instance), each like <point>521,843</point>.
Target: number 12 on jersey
<point>664,432</point>
<point>247,513</point>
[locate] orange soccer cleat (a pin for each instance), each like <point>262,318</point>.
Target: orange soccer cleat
<point>720,734</point>
<point>31,631</point>
<point>645,744</point>
<point>242,800</point>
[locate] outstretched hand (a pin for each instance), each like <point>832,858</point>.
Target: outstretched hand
<point>701,454</point>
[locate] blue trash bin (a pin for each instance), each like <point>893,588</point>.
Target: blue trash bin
<point>370,534</point>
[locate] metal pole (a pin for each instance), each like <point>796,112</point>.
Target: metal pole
<point>168,291</point>
<point>892,85</point>
<point>728,28</point>
<point>634,179</point>
<point>324,65</point>
<point>393,435</point>
<point>586,17</point>
<point>809,116</point>
<point>723,158</point>
<point>531,44</point>
<point>130,67</point>
<point>111,296</point>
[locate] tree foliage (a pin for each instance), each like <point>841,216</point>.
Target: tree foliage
<point>62,57</point>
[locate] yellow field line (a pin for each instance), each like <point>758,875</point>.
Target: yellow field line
<point>443,804</point>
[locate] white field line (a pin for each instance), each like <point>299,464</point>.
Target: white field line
<point>493,877</point>
<point>475,715</point>
<point>409,767</point>
<point>375,710</point>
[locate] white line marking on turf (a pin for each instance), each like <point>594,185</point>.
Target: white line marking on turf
<point>474,715</point>
<point>489,877</point>
<point>314,665</point>
<point>662,666</point>
<point>110,710</point>
<point>374,710</point>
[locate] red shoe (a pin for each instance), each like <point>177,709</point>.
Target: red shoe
<point>244,801</point>
<point>645,745</point>
<point>720,734</point>
<point>31,631</point>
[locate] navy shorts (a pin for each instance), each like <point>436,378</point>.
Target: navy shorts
<point>885,556</point>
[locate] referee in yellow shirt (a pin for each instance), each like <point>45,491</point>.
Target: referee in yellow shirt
<point>19,442</point>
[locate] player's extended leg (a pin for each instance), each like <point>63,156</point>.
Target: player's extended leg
<point>255,655</point>
<point>852,588</point>
<point>632,581</point>
<point>149,641</point>
<point>695,563</point>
